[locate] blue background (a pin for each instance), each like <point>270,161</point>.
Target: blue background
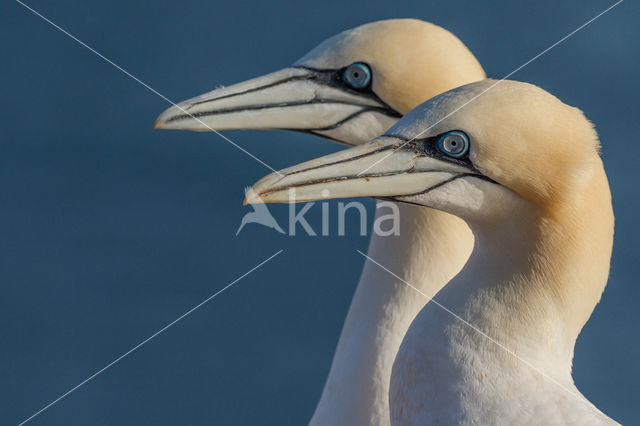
<point>109,230</point>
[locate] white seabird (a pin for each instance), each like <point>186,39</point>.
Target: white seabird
<point>523,169</point>
<point>350,89</point>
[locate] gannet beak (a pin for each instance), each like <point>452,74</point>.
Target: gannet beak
<point>386,167</point>
<point>294,98</point>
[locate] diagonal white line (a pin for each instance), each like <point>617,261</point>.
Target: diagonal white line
<point>145,85</point>
<point>482,333</point>
<point>495,84</point>
<point>147,339</point>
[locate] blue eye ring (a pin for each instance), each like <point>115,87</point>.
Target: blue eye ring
<point>357,75</point>
<point>454,144</point>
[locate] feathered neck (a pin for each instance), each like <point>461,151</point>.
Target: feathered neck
<point>505,340</point>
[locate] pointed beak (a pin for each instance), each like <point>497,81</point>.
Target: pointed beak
<point>386,167</point>
<point>294,98</point>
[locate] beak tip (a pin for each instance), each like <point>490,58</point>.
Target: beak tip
<point>161,121</point>
<point>252,197</point>
<point>164,120</point>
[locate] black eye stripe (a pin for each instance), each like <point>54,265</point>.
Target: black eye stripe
<point>334,78</point>
<point>429,147</point>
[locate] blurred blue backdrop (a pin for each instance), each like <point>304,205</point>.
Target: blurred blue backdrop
<point>110,230</point>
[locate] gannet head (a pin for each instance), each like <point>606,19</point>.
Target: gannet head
<point>460,152</point>
<point>351,88</point>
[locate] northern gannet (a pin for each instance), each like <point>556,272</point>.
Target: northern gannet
<point>350,89</point>
<point>523,169</point>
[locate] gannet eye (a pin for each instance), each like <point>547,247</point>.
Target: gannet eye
<point>357,75</point>
<point>454,143</point>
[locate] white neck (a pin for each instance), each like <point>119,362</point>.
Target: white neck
<point>432,248</point>
<point>498,344</point>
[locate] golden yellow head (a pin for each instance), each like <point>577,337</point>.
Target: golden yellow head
<point>519,135</point>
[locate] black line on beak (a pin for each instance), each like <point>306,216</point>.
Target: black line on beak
<point>255,89</point>
<point>331,78</point>
<point>281,105</point>
<point>346,160</point>
<point>397,200</point>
